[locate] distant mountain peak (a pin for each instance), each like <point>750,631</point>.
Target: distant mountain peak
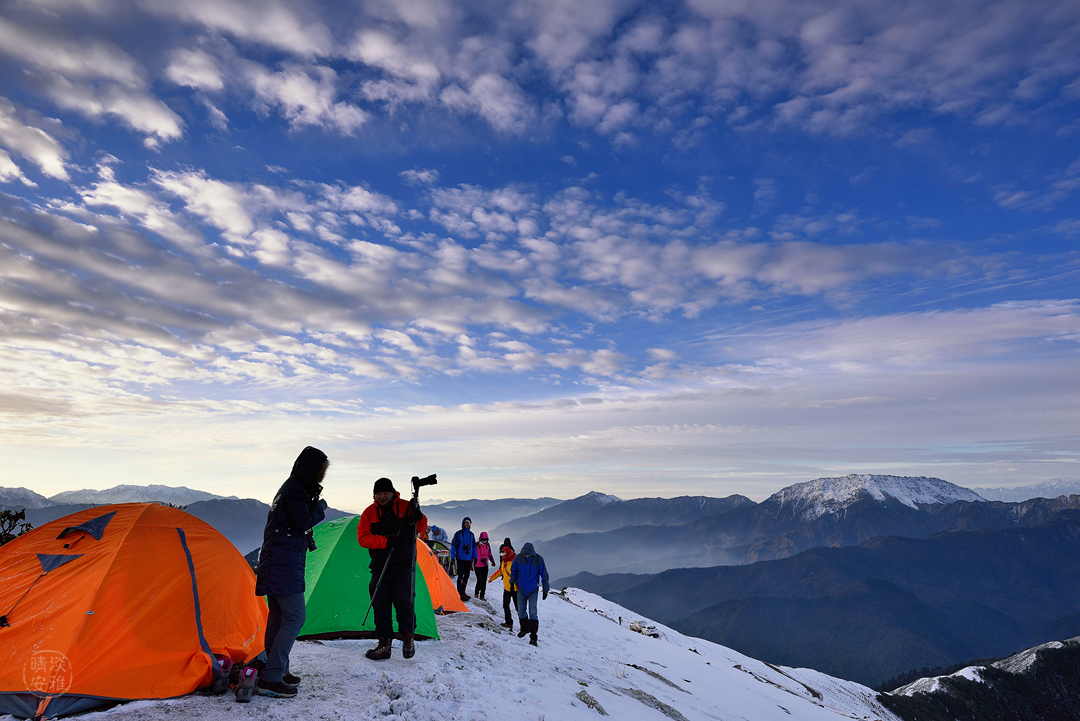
<point>179,495</point>
<point>815,498</point>
<point>602,498</point>
<point>22,497</point>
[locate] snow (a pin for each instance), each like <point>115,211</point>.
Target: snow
<point>586,658</point>
<point>815,498</point>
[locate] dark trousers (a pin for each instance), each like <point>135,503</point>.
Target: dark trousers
<point>286,618</point>
<point>481,581</point>
<point>508,597</point>
<point>463,576</point>
<point>393,593</point>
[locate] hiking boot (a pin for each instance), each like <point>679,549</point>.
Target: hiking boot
<point>291,679</point>
<point>408,649</point>
<point>275,689</point>
<point>380,652</point>
<point>465,597</point>
<point>245,685</point>
<point>534,626</point>
<point>524,628</point>
<point>507,624</point>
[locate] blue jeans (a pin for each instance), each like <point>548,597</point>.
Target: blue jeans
<point>287,614</point>
<point>527,604</point>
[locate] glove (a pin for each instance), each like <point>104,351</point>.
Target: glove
<point>322,504</point>
<point>417,515</point>
<point>545,595</point>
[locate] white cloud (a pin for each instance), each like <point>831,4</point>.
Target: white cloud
<point>10,171</point>
<point>268,22</point>
<point>419,177</point>
<point>494,98</point>
<point>194,69</point>
<point>32,143</point>
<point>306,97</point>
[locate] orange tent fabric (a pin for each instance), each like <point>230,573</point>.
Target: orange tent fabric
<point>444,594</point>
<point>126,601</point>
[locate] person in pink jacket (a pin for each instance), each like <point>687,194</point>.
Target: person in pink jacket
<point>483,560</point>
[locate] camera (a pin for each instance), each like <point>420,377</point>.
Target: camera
<point>425,481</point>
<point>311,542</point>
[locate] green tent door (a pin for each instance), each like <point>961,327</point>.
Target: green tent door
<point>336,579</point>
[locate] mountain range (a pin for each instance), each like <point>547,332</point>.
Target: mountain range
<point>1048,489</point>
<point>872,611</point>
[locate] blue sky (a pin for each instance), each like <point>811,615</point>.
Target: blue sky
<point>538,248</point>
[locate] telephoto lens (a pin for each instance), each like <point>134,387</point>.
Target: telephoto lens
<point>425,481</point>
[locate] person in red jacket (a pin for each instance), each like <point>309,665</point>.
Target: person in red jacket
<point>388,529</point>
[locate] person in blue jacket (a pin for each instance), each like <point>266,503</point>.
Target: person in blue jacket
<point>530,574</point>
<point>297,508</point>
<point>463,551</point>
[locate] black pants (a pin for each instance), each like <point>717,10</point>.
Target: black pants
<point>393,593</point>
<point>463,576</point>
<point>481,581</point>
<point>509,596</point>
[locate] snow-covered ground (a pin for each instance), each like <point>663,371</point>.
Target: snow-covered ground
<point>585,661</point>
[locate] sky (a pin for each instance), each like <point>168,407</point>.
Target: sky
<point>538,248</point>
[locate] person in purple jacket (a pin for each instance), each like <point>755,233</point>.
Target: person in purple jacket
<point>484,558</point>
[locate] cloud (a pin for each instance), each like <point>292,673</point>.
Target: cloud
<point>494,98</point>
<point>32,143</point>
<point>94,78</point>
<point>194,69</point>
<point>419,177</point>
<point>306,97</point>
<point>267,22</point>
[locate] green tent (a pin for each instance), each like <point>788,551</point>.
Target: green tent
<point>337,578</point>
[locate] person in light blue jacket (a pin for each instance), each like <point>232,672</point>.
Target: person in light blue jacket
<point>530,574</point>
<point>463,551</point>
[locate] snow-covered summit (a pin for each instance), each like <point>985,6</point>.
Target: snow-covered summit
<point>813,499</point>
<point>586,661</point>
<point>179,495</point>
<point>21,498</point>
<point>602,499</point>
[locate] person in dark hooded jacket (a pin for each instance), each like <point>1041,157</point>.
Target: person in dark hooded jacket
<point>296,509</point>
<point>388,529</point>
<point>530,574</point>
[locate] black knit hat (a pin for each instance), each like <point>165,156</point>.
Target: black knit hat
<point>384,484</point>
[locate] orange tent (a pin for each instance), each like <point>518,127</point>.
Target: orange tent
<point>444,594</point>
<point>120,602</point>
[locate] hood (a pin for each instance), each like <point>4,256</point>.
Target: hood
<point>506,554</point>
<point>466,518</point>
<point>483,537</point>
<point>506,543</point>
<point>527,550</point>
<point>306,468</point>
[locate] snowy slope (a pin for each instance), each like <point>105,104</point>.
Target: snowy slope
<point>815,498</point>
<point>179,495</point>
<point>479,672</point>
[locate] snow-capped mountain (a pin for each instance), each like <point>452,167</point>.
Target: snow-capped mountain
<point>1048,489</point>
<point>1018,663</point>
<point>587,666</point>
<point>21,498</point>
<point>813,499</point>
<point>180,495</point>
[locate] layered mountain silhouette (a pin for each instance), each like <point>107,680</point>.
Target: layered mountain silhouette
<point>872,611</point>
